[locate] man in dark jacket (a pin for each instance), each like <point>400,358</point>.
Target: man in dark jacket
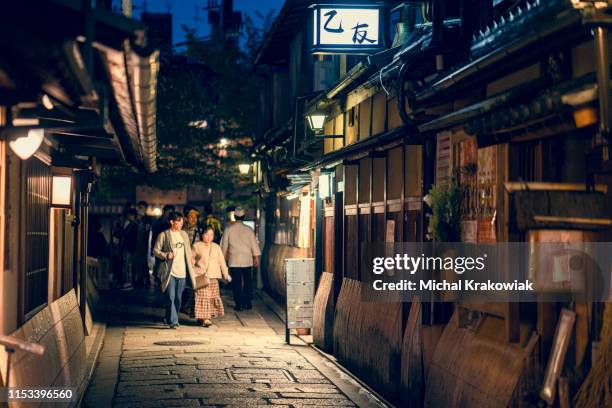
<point>129,237</point>
<point>141,262</point>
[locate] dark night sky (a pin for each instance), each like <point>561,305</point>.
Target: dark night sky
<point>183,12</point>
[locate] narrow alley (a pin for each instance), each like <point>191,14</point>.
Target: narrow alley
<point>240,361</point>
<point>395,203</point>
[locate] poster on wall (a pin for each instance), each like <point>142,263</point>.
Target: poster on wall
<point>300,283</point>
<point>390,232</point>
<point>303,240</point>
<point>468,164</point>
<point>487,194</point>
<point>443,157</point>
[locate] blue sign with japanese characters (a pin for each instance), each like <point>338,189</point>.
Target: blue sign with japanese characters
<point>347,29</point>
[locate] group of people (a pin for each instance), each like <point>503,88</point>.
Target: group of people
<point>130,247</point>
<point>181,248</point>
<point>187,255</point>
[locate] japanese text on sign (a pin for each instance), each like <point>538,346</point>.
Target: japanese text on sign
<point>352,27</point>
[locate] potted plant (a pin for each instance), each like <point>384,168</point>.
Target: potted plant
<point>444,220</point>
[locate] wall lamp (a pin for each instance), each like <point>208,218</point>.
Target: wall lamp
<point>61,191</point>
<point>316,122</point>
<point>25,145</point>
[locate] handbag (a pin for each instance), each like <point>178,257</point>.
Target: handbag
<point>202,281</point>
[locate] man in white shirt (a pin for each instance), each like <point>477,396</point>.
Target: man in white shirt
<point>242,253</point>
<point>172,247</point>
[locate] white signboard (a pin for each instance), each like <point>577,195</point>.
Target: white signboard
<point>300,280</point>
<point>347,29</point>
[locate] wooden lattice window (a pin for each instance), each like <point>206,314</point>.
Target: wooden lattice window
<point>36,237</point>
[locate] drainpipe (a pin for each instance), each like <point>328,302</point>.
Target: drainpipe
<point>602,60</point>
<point>83,183</point>
<point>75,238</point>
<point>402,95</point>
<point>319,223</point>
<point>414,14</point>
<point>84,233</point>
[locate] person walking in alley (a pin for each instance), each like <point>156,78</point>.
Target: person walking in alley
<point>191,227</point>
<point>209,262</point>
<point>160,225</point>
<point>129,235</point>
<point>212,221</point>
<point>141,265</point>
<point>173,250</point>
<point>194,232</point>
<point>242,251</point>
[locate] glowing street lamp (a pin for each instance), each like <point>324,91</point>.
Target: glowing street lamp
<point>26,146</point>
<point>244,168</point>
<point>316,121</point>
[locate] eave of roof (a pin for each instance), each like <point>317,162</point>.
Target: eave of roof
<point>51,51</point>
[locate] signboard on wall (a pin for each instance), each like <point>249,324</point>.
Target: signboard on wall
<point>300,282</point>
<point>347,29</point>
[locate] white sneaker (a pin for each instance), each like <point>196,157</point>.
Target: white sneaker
<point>127,286</point>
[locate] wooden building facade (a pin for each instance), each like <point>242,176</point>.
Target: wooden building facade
<point>503,102</point>
<point>77,92</point>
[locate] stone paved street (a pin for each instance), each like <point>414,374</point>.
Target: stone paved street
<point>240,361</point>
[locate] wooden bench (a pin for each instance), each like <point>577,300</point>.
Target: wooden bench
<point>59,328</point>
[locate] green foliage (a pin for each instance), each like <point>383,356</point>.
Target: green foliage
<point>211,80</point>
<point>444,224</point>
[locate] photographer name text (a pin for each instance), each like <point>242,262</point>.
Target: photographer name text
<point>461,285</point>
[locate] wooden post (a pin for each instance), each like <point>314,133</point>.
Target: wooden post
<point>319,225</point>
<point>338,244</point>
<point>512,322</point>
<point>547,321</point>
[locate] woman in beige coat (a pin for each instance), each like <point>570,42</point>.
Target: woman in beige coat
<point>209,259</point>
